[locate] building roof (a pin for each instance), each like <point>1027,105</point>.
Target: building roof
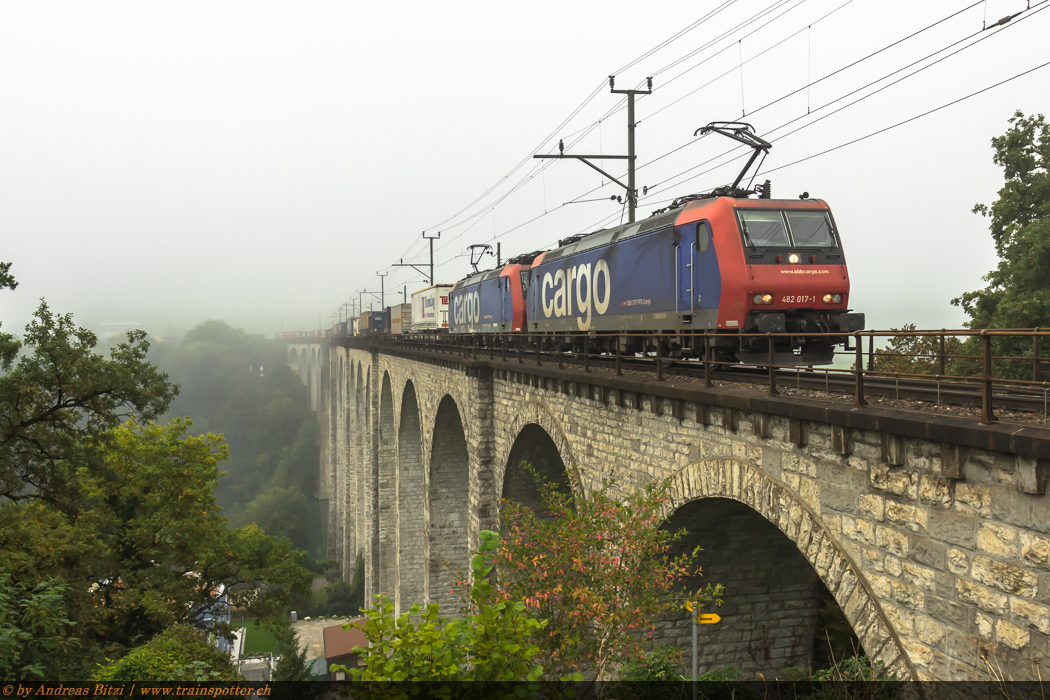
<point>340,642</point>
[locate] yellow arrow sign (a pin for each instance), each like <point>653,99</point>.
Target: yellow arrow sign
<point>709,619</point>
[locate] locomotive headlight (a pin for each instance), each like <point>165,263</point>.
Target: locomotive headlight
<point>832,298</point>
<point>793,258</point>
<point>762,298</point>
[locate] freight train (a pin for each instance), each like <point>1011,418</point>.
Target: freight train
<point>719,268</point>
<point>724,265</point>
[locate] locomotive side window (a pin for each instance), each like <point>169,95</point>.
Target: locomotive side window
<point>695,234</point>
<point>560,253</point>
<point>763,229</point>
<point>811,229</point>
<point>595,240</point>
<point>628,232</point>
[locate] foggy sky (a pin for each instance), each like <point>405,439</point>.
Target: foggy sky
<point>166,163</point>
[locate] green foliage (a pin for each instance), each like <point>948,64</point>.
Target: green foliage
<point>179,653</point>
<point>342,599</point>
<point>726,673</point>
<point>7,280</point>
<point>660,663</point>
<point>281,512</point>
<point>148,548</point>
<point>293,665</point>
<point>494,641</point>
<point>321,566</point>
<point>854,668</point>
<point>109,530</point>
<point>337,599</point>
<point>598,569</point>
<point>1018,294</point>
<point>913,354</point>
<point>59,400</point>
<point>243,386</point>
<point>35,632</point>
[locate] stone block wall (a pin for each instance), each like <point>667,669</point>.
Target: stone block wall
<point>938,554</point>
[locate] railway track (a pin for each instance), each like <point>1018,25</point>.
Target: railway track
<point>934,391</point>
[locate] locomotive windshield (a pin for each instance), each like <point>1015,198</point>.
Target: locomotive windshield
<point>769,228</point>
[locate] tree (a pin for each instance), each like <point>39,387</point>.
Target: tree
<point>915,354</point>
<point>172,555</point>
<point>149,549</point>
<point>599,569</point>
<point>495,641</point>
<point>110,533</point>
<point>280,512</point>
<point>293,665</point>
<point>1018,291</point>
<point>179,653</point>
<point>35,632</point>
<point>59,400</point>
<point>242,385</point>
<point>1018,294</point>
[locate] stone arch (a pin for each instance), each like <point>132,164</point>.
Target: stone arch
<point>537,414</point>
<point>533,445</point>
<point>449,502</point>
<point>412,490</point>
<point>727,478</point>
<point>386,581</point>
<point>293,359</point>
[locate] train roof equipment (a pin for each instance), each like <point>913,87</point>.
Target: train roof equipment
<point>743,133</point>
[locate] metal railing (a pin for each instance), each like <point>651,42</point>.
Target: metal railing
<point>939,366</point>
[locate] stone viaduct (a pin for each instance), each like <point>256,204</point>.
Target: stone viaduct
<point>932,533</point>
<point>306,359</point>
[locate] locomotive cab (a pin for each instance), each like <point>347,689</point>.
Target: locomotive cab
<point>796,279</point>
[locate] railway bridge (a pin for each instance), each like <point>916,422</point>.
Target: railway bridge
<point>931,532</point>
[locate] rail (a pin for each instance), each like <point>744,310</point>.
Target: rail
<point>945,367</point>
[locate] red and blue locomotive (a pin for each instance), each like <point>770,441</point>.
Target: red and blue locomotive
<point>727,265</point>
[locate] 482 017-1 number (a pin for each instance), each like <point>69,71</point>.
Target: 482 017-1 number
<point>799,299</point>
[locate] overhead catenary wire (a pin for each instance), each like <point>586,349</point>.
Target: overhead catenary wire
<point>749,60</point>
<point>648,199</point>
<point>983,36</point>
<point>809,84</point>
<point>793,92</point>
<point>618,106</point>
<point>908,120</point>
<point>706,17</point>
